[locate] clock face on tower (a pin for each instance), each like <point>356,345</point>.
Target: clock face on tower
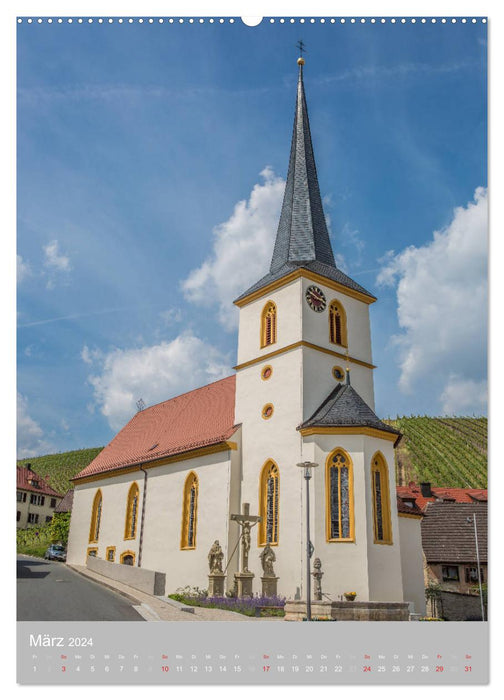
<point>315,298</point>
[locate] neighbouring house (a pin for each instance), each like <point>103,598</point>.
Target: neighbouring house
<point>452,545</point>
<point>36,500</point>
<point>424,493</point>
<point>66,503</point>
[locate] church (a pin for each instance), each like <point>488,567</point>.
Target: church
<point>173,480</point>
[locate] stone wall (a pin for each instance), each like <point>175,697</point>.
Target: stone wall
<point>460,606</point>
<point>152,582</point>
<point>365,611</point>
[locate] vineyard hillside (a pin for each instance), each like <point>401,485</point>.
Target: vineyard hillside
<point>60,468</point>
<point>444,451</point>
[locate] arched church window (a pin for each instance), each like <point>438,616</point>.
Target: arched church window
<point>339,497</point>
<point>337,324</point>
<point>132,512</point>
<point>268,504</point>
<point>189,512</point>
<point>381,500</point>
<point>269,324</point>
<point>96,511</point>
<point>127,558</point>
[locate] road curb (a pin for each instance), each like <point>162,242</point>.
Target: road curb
<point>131,598</point>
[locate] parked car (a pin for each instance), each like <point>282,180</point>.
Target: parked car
<point>56,551</point>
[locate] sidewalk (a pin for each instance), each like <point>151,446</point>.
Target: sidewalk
<point>156,608</point>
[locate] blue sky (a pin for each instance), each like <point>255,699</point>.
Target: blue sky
<point>150,167</point>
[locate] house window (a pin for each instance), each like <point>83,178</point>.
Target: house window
<point>268,504</point>
<point>381,500</point>
<point>33,517</point>
<point>189,512</point>
<point>127,558</point>
<point>450,573</point>
<point>339,497</point>
<point>471,574</point>
<point>36,499</point>
<point>110,554</point>
<point>18,517</point>
<point>19,496</point>
<point>92,551</point>
<point>53,503</point>
<point>131,512</point>
<point>337,324</point>
<point>269,324</point>
<point>96,512</point>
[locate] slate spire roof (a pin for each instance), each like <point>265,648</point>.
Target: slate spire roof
<point>302,239</point>
<point>344,407</point>
<point>302,233</point>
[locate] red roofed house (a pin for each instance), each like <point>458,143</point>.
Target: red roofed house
<point>36,500</point>
<point>167,486</point>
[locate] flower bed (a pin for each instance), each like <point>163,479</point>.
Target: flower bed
<point>267,606</point>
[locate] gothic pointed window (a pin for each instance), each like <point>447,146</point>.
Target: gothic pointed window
<point>132,505</point>
<point>337,324</point>
<point>96,511</point>
<point>189,512</point>
<point>381,500</point>
<point>268,504</point>
<point>269,324</point>
<point>339,497</point>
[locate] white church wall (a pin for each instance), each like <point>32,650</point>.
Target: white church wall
<point>275,438</point>
<point>163,519</point>
<point>113,517</point>
<point>384,560</point>
<point>344,563</point>
<point>318,379</point>
<point>411,562</point>
<point>287,300</point>
<point>316,324</point>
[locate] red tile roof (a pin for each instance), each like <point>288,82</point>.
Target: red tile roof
<point>409,507</point>
<point>28,480</point>
<point>455,495</point>
<point>199,418</point>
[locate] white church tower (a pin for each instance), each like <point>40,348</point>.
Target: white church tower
<point>304,392</point>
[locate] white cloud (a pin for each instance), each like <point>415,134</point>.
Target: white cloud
<point>23,269</point>
<point>171,316</point>
<point>442,304</point>
<point>30,436</point>
<point>154,373</point>
<point>242,250</point>
<point>55,263</point>
<point>54,259</point>
<point>464,396</point>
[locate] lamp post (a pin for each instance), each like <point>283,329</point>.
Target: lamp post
<point>473,519</point>
<point>307,467</point>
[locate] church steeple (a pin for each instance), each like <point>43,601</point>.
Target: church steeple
<point>302,241</point>
<point>302,234</point>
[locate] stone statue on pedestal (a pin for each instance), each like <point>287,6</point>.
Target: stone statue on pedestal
<point>268,558</point>
<point>215,557</point>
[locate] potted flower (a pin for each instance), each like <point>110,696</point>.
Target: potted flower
<point>352,595</point>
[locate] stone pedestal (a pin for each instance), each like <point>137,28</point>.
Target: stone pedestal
<point>216,585</point>
<point>243,583</point>
<point>269,585</point>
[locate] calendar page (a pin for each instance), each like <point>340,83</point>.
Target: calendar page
<point>252,322</point>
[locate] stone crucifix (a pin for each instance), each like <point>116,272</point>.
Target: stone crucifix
<point>246,522</point>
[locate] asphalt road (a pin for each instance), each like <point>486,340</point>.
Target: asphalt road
<point>49,590</point>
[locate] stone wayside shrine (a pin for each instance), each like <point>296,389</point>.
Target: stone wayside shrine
<point>174,490</point>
